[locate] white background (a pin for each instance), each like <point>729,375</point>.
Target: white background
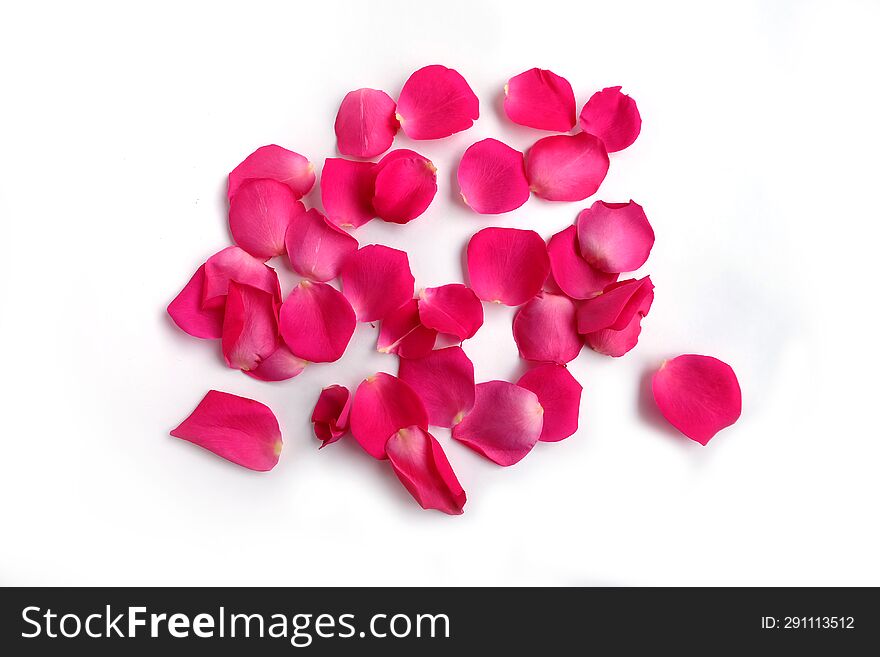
<point>757,165</point>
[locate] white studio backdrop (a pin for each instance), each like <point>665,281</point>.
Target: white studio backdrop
<point>757,166</point>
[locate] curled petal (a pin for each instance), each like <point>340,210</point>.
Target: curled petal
<point>365,124</point>
<point>699,395</point>
<point>274,163</point>
<point>545,329</point>
<point>250,327</point>
<point>507,265</point>
<point>574,275</point>
<point>188,313</point>
<point>236,264</point>
<point>504,424</point>
<point>377,280</point>
<point>615,237</point>
<point>405,185</point>
<point>240,430</point>
<point>492,177</point>
<point>566,167</point>
<point>316,322</point>
<point>616,343</point>
<point>382,406</point>
<point>540,99</point>
<point>402,333</point>
<point>347,191</point>
<point>613,117</point>
<point>259,215</point>
<point>453,309</point>
<point>444,381</point>
<point>616,306</point>
<point>317,248</point>
<point>422,467</point>
<point>279,366</point>
<point>330,417</point>
<point>560,396</point>
<point>436,102</point>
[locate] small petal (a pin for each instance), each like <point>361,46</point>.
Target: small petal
<point>699,395</point>
<point>540,99</point>
<point>566,168</point>
<point>574,275</point>
<point>316,322</point>
<point>382,406</point>
<point>347,191</point>
<point>236,264</point>
<point>452,309</point>
<point>616,343</point>
<point>545,329</point>
<point>317,248</point>
<point>274,163</point>
<point>279,366</point>
<point>615,237</point>
<point>436,102</point>
<point>492,177</point>
<point>507,265</point>
<point>405,187</point>
<point>444,381</point>
<point>422,467</point>
<point>616,306</point>
<point>377,280</point>
<point>331,414</point>
<point>504,424</point>
<point>240,430</point>
<point>250,327</point>
<point>402,333</point>
<point>259,215</point>
<point>613,117</point>
<point>365,124</point>
<point>560,396</point>
<point>187,312</point>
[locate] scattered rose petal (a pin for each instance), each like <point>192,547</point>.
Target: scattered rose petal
<point>560,396</point>
<point>504,424</point>
<point>574,275</point>
<point>377,280</point>
<point>616,343</point>
<point>436,102</point>
<point>540,99</point>
<point>347,191</point>
<point>613,117</point>
<point>405,185</point>
<point>187,312</point>
<point>279,366</point>
<point>545,329</point>
<point>316,247</point>
<point>236,264</point>
<point>492,177</point>
<point>616,306</point>
<point>566,167</point>
<point>259,215</point>
<point>615,237</point>
<point>699,395</point>
<point>316,322</point>
<point>422,467</point>
<point>444,381</point>
<point>240,430</point>
<point>382,406</point>
<point>274,163</point>
<point>365,124</point>
<point>330,417</point>
<point>250,327</point>
<point>507,265</point>
<point>453,309</point>
<point>403,333</point>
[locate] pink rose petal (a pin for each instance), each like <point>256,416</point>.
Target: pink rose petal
<point>560,396</point>
<point>616,306</point>
<point>377,280</point>
<point>365,124</point>
<point>402,333</point>
<point>444,381</point>
<point>236,264</point>
<point>422,467</point>
<point>317,248</point>
<point>187,312</point>
<point>616,343</point>
<point>382,406</point>
<point>274,163</point>
<point>540,99</point>
<point>615,237</point>
<point>240,430</point>
<point>250,327</point>
<point>699,395</point>
<point>436,102</point>
<point>347,191</point>
<point>507,265</point>
<point>566,167</point>
<point>279,366</point>
<point>453,309</point>
<point>504,424</point>
<point>545,329</point>
<point>316,322</point>
<point>613,117</point>
<point>405,185</point>
<point>331,414</point>
<point>492,177</point>
<point>259,215</point>
<point>574,275</point>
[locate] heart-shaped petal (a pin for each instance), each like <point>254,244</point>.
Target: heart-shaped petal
<point>436,102</point>
<point>365,124</point>
<point>615,237</point>
<point>492,177</point>
<point>560,396</point>
<point>566,167</point>
<point>540,99</point>
<point>545,329</point>
<point>613,117</point>
<point>507,265</point>
<point>317,322</point>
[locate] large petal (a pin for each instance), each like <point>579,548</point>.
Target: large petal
<point>453,309</point>
<point>566,167</point>
<point>616,343</point>
<point>616,306</point>
<point>613,117</point>
<point>259,215</point>
<point>275,163</point>
<point>317,322</point>
<point>317,248</point>
<point>545,329</point>
<point>540,99</point>
<point>279,366</point>
<point>699,395</point>
<point>405,186</point>
<point>347,191</point>
<point>382,406</point>
<point>365,124</point>
<point>331,414</point>
<point>188,313</point>
<point>250,327</point>
<point>240,430</point>
<point>492,177</point>
<point>504,424</point>
<point>507,265</point>
<point>377,280</point>
<point>574,275</point>
<point>403,333</point>
<point>560,396</point>
<point>422,467</point>
<point>615,237</point>
<point>235,264</point>
<point>436,102</point>
<point>444,380</point>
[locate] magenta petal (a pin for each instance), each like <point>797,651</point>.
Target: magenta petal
<point>317,248</point>
<point>540,99</point>
<point>383,405</point>
<point>616,343</point>
<point>453,309</point>
<point>240,430</point>
<point>699,395</point>
<point>436,102</point>
<point>507,265</point>
<point>560,396</point>
<point>616,306</point>
<point>492,177</point>
<point>347,191</point>
<point>615,237</point>
<point>377,280</point>
<point>316,322</point>
<point>422,467</point>
<point>444,381</point>
<point>365,124</point>
<point>574,275</point>
<point>274,163</point>
<point>405,185</point>
<point>259,215</point>
<point>236,264</point>
<point>613,117</point>
<point>331,414</point>
<point>250,327</point>
<point>279,366</point>
<point>402,333</point>
<point>545,329</point>
<point>187,312</point>
<point>566,167</point>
